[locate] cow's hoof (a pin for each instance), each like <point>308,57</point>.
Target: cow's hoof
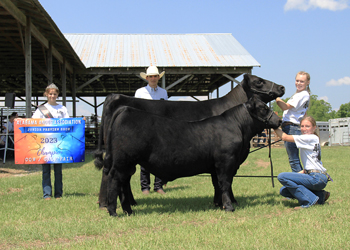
<point>128,213</point>
<point>102,206</point>
<point>218,204</point>
<point>228,208</point>
<point>114,214</point>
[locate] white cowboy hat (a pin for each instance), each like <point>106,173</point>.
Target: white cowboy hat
<point>152,71</point>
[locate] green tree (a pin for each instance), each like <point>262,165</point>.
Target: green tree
<point>320,110</point>
<point>344,111</point>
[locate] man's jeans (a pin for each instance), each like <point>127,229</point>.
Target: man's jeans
<point>292,150</point>
<point>306,188</point>
<point>146,181</point>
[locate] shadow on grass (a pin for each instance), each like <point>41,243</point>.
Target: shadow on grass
<point>175,188</point>
<point>163,204</point>
<point>74,194</point>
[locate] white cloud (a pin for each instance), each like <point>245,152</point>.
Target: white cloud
<point>342,81</point>
<point>305,5</point>
<point>324,98</point>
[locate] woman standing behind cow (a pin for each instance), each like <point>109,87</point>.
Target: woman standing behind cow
<point>51,110</point>
<point>293,112</point>
<point>307,185</point>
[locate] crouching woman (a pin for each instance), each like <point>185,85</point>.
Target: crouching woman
<point>307,185</point>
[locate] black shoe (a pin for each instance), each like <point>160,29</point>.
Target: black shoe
<point>326,195</point>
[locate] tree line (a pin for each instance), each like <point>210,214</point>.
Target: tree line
<point>320,109</point>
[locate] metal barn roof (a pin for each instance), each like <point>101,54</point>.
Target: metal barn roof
<point>163,50</point>
<point>97,64</point>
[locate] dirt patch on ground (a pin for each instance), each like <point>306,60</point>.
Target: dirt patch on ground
<point>262,164</point>
<point>11,169</point>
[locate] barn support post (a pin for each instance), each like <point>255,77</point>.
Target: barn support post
<point>74,95</point>
<point>163,81</point>
<point>64,82</point>
<point>95,104</point>
<point>49,64</point>
<point>28,67</point>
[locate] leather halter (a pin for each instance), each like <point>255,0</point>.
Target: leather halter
<point>259,118</point>
<point>257,91</point>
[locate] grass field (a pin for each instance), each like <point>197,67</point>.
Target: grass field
<point>183,218</point>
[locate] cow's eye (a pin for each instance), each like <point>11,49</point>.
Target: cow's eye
<point>259,83</point>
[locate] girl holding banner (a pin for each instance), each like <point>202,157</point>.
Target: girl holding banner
<point>51,110</point>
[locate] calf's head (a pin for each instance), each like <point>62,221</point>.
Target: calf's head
<point>266,90</point>
<point>262,114</point>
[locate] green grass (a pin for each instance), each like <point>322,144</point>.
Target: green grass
<point>184,218</point>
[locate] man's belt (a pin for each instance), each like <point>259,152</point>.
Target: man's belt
<point>288,123</point>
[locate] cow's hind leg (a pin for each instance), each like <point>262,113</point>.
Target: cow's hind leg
<point>113,190</point>
<point>102,197</point>
<point>124,196</point>
<point>130,195</point>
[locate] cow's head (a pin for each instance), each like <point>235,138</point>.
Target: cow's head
<point>262,114</point>
<point>266,90</point>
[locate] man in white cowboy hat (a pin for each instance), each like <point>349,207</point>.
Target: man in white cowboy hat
<point>153,92</point>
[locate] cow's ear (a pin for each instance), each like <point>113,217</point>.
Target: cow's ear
<point>246,77</point>
<point>253,100</point>
<point>250,103</point>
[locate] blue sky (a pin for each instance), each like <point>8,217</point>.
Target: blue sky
<point>284,36</point>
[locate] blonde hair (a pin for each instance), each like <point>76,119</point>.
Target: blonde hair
<point>308,79</point>
<point>312,121</point>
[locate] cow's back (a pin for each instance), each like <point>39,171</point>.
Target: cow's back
<point>182,110</point>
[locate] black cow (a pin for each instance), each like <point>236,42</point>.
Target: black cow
<point>171,149</point>
<point>184,110</point>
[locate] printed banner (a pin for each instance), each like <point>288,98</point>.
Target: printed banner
<point>47,141</point>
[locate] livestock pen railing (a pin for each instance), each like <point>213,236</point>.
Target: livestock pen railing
<point>262,140</point>
<point>92,125</point>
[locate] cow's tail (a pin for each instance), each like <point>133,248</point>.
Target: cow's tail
<point>99,151</point>
<point>105,161</point>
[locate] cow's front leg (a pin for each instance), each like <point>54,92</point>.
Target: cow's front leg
<point>225,177</point>
<point>232,197</point>
<point>112,195</point>
<point>217,191</point>
<point>218,194</point>
<point>227,203</point>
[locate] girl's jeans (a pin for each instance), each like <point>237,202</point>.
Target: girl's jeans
<point>47,188</point>
<point>306,188</point>
<point>292,150</point>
